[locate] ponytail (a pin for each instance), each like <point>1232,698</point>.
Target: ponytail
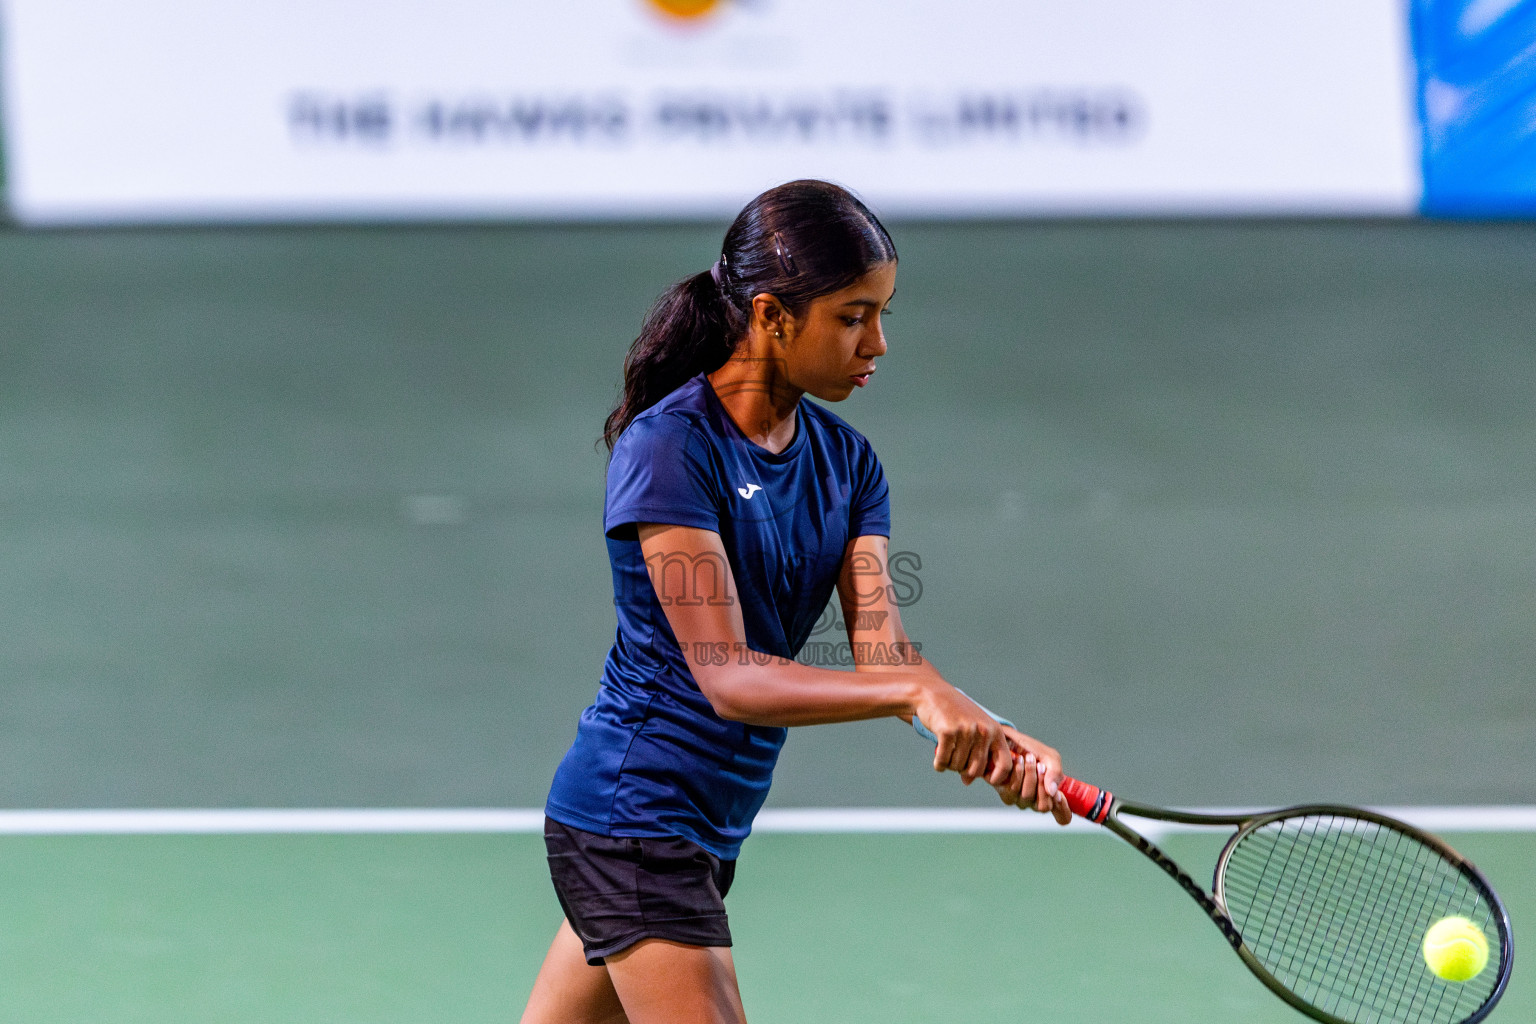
<point>799,241</point>
<point>690,330</point>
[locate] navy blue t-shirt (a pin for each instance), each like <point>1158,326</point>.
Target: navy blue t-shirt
<point>651,757</point>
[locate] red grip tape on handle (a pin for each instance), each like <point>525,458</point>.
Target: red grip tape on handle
<point>1086,801</point>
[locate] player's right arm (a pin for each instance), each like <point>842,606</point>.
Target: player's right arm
<point>787,693</point>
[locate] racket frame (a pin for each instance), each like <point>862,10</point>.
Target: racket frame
<point>1107,809</point>
<point>1102,807</point>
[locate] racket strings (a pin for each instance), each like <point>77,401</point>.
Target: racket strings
<point>1335,907</point>
<point>1337,981</point>
<point>1345,875</point>
<point>1300,894</point>
<point>1328,978</point>
<point>1412,986</point>
<point>1305,900</point>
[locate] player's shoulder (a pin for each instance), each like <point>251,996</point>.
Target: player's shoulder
<point>834,426</point>
<point>681,415</point>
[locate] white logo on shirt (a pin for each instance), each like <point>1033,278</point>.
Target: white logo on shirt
<point>749,490</point>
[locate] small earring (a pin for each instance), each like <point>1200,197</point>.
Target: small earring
<point>779,335</point>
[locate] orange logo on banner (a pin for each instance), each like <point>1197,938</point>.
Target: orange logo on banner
<point>689,9</point>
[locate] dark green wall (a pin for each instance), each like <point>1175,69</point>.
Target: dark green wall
<point>1230,513</point>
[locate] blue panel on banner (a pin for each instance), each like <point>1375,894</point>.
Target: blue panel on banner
<point>1477,105</point>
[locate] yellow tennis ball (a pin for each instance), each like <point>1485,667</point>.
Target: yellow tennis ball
<point>1455,949</point>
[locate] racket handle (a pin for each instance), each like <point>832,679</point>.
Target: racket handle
<point>1087,801</point>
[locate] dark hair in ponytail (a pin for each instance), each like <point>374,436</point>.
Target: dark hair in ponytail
<point>799,241</point>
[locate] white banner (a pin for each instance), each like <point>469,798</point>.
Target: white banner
<point>192,110</point>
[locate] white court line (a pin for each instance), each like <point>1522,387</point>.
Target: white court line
<point>1500,818</point>
<point>259,821</point>
<point>818,820</point>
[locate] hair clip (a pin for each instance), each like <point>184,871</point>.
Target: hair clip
<point>786,260</point>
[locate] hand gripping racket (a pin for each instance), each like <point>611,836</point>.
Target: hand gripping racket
<point>1329,906</point>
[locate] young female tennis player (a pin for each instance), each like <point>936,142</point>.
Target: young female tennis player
<point>733,510</point>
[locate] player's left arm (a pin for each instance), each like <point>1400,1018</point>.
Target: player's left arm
<point>867,595</point>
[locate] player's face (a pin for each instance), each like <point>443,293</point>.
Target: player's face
<point>832,348</point>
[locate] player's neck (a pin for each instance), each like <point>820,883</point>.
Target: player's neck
<point>757,395</point>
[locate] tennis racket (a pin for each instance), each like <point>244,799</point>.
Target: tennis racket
<point>1329,905</point>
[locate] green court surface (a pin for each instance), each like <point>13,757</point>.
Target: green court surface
<point>851,929</point>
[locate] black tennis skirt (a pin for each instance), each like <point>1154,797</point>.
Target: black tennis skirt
<point>617,890</point>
